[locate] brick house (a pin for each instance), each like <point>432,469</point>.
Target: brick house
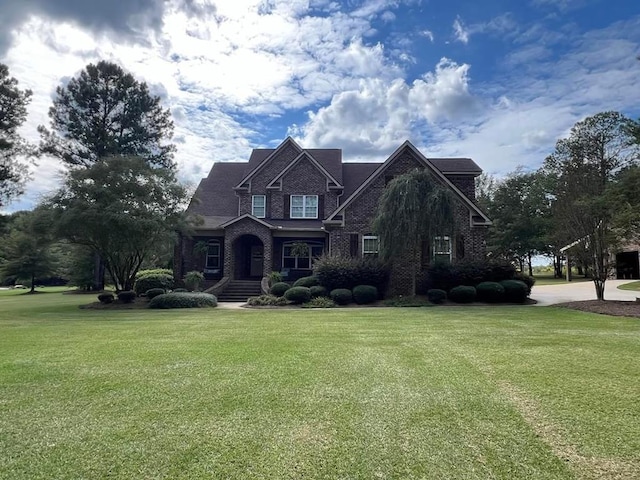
<point>255,214</point>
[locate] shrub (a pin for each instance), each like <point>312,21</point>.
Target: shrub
<point>275,277</point>
<point>346,272</point>
<point>490,292</point>
<point>462,294</point>
<point>342,296</point>
<point>515,291</point>
<point>193,279</point>
<point>319,302</point>
<point>105,297</point>
<point>445,276</point>
<point>267,300</point>
<point>363,294</point>
<point>180,290</point>
<point>127,296</point>
<point>298,295</point>
<point>318,291</point>
<point>407,302</point>
<point>183,300</point>
<point>279,289</point>
<point>308,282</point>
<point>527,279</point>
<point>437,296</point>
<point>147,282</point>
<point>154,292</point>
<point>154,271</point>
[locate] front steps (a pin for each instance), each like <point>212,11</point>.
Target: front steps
<point>240,290</point>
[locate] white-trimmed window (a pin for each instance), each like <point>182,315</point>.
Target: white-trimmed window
<point>442,248</point>
<point>304,206</point>
<point>213,255</point>
<point>370,245</point>
<point>259,206</point>
<point>300,262</point>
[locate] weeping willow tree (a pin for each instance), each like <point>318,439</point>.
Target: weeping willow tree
<point>414,208</point>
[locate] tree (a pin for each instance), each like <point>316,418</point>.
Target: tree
<point>413,209</point>
<point>105,111</point>
<point>27,248</point>
<point>121,208</point>
<point>13,148</point>
<point>582,168</point>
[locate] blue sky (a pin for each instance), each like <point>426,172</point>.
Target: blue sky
<point>497,81</point>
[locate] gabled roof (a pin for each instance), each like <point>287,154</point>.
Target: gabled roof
<point>214,196</point>
<point>407,145</point>
<point>248,216</point>
<point>305,155</point>
<point>288,142</point>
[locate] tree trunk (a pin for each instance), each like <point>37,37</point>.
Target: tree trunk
<point>530,266</point>
<point>98,272</point>
<point>599,288</point>
<point>33,283</point>
<point>557,266</point>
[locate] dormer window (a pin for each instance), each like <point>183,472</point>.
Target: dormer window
<point>304,206</point>
<point>258,206</point>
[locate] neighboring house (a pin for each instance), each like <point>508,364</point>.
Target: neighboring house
<point>628,262</point>
<point>256,214</point>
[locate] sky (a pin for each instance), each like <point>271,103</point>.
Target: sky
<point>495,80</point>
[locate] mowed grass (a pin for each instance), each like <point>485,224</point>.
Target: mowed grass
<point>444,392</point>
<point>633,286</point>
<point>549,279</point>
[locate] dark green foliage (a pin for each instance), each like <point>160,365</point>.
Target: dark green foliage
<point>515,291</point>
<point>346,272</point>
<point>267,300</point>
<point>147,282</point>
<point>446,276</point>
<point>462,294</point>
<point>309,282</point>
<point>193,279</point>
<point>105,111</point>
<point>527,279</point>
<point>298,295</point>
<point>318,291</point>
<point>319,302</point>
<point>154,271</point>
<point>127,296</point>
<point>490,292</point>
<point>184,300</point>
<point>404,301</point>
<point>154,292</point>
<point>279,289</point>
<point>364,294</point>
<point>180,290</point>
<point>106,297</point>
<point>342,296</point>
<point>275,277</point>
<point>436,295</point>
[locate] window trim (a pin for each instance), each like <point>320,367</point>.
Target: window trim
<point>210,244</point>
<point>304,206</point>
<point>440,254</point>
<point>264,205</point>
<point>372,253</point>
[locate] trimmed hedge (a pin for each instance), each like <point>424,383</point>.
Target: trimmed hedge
<point>298,295</point>
<point>318,291</point>
<point>154,271</point>
<point>267,300</point>
<point>127,296</point>
<point>490,292</point>
<point>445,276</point>
<point>311,281</point>
<point>106,297</point>
<point>154,292</point>
<point>178,290</point>
<point>515,291</point>
<point>364,294</point>
<point>528,280</point>
<point>342,296</point>
<point>346,272</point>
<point>279,289</point>
<point>436,295</point>
<point>462,294</point>
<point>147,282</point>
<point>183,300</point>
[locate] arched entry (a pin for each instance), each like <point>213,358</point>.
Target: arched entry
<point>249,257</point>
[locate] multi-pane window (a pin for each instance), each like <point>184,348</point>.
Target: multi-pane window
<point>258,206</point>
<point>370,245</point>
<point>213,255</point>
<point>300,261</point>
<point>304,206</point>
<point>442,248</point>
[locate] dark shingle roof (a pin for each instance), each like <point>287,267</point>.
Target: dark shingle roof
<point>215,196</point>
<point>456,165</point>
<point>329,158</point>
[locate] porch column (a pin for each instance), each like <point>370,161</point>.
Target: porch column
<point>228,257</point>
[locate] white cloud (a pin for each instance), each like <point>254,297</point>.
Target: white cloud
<point>427,34</point>
<point>460,32</point>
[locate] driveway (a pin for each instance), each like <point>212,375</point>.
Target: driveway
<point>574,292</point>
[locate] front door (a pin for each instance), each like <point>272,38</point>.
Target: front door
<point>257,261</point>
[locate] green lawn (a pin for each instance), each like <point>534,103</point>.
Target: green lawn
<point>551,280</point>
<point>443,392</point>
<point>633,286</point>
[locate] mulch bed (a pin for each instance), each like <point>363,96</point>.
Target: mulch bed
<point>607,307</point>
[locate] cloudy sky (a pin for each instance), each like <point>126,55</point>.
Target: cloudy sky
<point>495,80</point>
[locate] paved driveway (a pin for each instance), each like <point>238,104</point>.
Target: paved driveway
<point>572,292</point>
